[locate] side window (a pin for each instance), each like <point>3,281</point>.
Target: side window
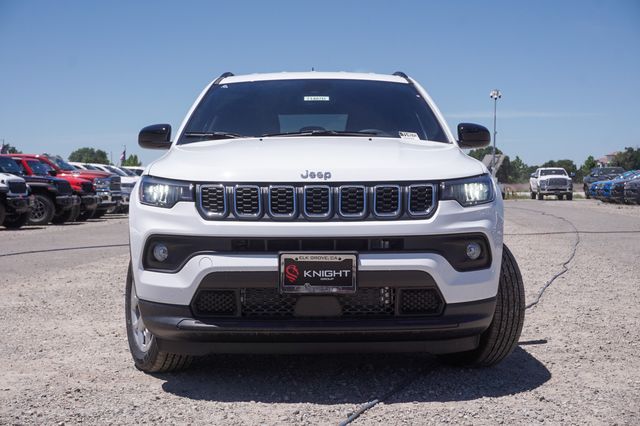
<point>21,166</point>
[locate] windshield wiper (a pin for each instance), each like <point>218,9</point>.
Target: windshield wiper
<point>321,133</point>
<point>212,135</point>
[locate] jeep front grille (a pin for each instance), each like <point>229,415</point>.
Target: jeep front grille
<point>16,187</point>
<point>63,187</point>
<point>86,187</point>
<point>317,202</point>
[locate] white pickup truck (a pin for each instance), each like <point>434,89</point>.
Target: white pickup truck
<point>551,181</point>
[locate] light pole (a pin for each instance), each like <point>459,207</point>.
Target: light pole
<point>495,95</point>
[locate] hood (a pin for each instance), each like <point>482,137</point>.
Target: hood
<point>8,177</point>
<point>85,174</point>
<point>298,159</point>
<point>40,179</point>
<point>545,177</point>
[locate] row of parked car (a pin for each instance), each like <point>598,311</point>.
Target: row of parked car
<point>613,184</point>
<point>39,189</point>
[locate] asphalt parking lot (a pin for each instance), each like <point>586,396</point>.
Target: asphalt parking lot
<point>64,354</point>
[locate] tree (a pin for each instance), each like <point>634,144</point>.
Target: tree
<point>89,155</point>
<point>629,159</point>
<point>520,172</point>
<point>132,161</point>
<point>9,149</point>
<point>479,153</point>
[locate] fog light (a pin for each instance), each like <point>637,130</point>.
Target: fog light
<point>473,251</point>
<point>161,252</point>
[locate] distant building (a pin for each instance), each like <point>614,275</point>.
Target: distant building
<point>607,159</point>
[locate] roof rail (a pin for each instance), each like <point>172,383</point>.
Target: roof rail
<point>224,75</point>
<point>403,75</point>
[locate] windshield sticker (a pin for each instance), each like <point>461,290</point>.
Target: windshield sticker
<point>409,135</point>
<point>316,98</point>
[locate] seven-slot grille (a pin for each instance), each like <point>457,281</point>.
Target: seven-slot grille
<point>317,202</point>
<point>16,187</point>
<point>63,187</point>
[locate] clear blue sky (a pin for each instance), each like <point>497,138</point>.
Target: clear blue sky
<point>89,73</point>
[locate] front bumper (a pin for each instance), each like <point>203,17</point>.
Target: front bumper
<point>89,202</point>
<point>18,203</point>
<point>66,202</point>
<point>457,329</point>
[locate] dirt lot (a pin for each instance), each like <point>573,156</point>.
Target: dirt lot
<point>64,354</point>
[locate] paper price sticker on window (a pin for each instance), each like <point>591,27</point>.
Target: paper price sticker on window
<point>409,135</point>
<point>316,98</point>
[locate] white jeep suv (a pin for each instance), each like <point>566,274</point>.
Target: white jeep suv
<point>308,212</point>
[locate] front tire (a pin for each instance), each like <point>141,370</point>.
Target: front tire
<point>142,343</point>
<point>586,192</point>
<point>69,215</point>
<point>16,221</point>
<point>569,197</point>
<point>43,210</point>
<point>540,196</point>
<point>499,340</point>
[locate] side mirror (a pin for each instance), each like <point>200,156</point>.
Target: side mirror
<point>533,175</point>
<point>53,173</point>
<point>156,136</point>
<point>473,136</point>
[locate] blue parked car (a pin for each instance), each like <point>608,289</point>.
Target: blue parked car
<point>616,191</point>
<point>605,189</point>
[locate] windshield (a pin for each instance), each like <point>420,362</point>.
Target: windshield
<point>548,172</point>
<point>39,168</point>
<point>60,162</point>
<point>128,172</point>
<point>261,108</point>
<point>116,170</point>
<point>7,165</point>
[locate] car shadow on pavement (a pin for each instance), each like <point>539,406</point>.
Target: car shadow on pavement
<point>356,379</point>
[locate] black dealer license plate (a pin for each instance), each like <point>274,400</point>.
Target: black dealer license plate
<point>318,272</point>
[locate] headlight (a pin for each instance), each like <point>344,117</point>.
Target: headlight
<point>469,191</point>
<point>163,192</point>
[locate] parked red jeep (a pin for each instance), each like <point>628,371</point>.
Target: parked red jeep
<point>82,185</point>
